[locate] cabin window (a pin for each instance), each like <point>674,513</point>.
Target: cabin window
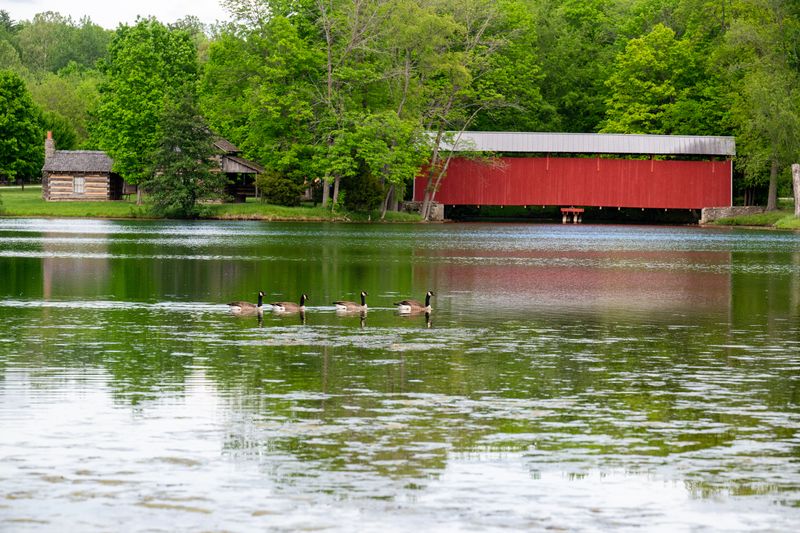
<point>78,185</point>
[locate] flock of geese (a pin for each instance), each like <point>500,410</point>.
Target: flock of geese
<point>342,306</point>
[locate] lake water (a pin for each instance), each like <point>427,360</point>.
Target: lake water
<point>586,378</point>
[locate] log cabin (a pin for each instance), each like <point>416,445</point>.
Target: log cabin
<point>78,175</point>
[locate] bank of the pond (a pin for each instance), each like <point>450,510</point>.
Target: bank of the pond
<point>15,202</point>
<point>782,219</point>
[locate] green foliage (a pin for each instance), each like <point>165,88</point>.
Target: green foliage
<point>650,76</point>
<point>342,90</point>
<point>51,41</point>
<point>577,43</point>
<point>9,57</point>
<point>764,69</point>
<point>361,193</point>
<point>515,74</point>
<point>71,93</point>
<point>183,170</point>
<point>147,65</point>
<point>63,132</point>
<point>21,138</point>
<point>279,190</point>
<point>258,92</point>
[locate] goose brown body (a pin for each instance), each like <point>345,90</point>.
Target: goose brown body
<point>243,307</point>
<point>352,307</point>
<point>415,306</point>
<point>290,307</point>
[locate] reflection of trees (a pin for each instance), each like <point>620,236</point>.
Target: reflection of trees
<point>338,409</point>
<point>573,386</point>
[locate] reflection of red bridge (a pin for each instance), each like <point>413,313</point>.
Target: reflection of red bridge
<point>597,181</point>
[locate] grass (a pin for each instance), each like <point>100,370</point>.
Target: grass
<point>28,203</point>
<point>769,218</point>
<point>783,218</point>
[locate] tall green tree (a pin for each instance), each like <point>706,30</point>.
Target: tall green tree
<point>21,139</point>
<point>764,65</point>
<point>146,65</point>
<point>577,43</point>
<point>649,78</point>
<point>258,92</point>
<point>183,170</point>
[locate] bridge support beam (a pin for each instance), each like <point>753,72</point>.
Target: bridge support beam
<point>571,213</point>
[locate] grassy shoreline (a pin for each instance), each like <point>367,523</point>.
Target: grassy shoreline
<point>783,218</point>
<point>14,202</point>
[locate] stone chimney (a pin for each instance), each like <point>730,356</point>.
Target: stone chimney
<point>49,146</point>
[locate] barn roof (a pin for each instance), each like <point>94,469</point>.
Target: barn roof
<point>78,161</point>
<point>240,165</point>
<point>226,146</point>
<point>592,143</point>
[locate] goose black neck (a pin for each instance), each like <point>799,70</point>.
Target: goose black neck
<point>302,300</point>
<point>428,300</point>
<point>363,299</point>
<point>260,299</point>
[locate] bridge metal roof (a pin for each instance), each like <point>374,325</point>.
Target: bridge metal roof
<point>592,143</point>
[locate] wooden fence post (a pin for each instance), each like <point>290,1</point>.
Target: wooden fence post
<point>796,179</point>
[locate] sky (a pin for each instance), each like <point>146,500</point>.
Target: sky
<point>110,13</point>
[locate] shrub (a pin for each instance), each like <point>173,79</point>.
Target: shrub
<point>363,192</point>
<point>280,190</point>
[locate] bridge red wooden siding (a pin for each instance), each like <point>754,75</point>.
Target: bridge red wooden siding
<point>585,182</point>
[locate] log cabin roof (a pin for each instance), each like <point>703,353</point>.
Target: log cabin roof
<point>78,161</point>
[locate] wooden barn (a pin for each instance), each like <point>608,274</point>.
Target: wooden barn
<point>241,172</point>
<point>78,175</point>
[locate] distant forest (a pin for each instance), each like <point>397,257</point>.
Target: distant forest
<point>344,90</point>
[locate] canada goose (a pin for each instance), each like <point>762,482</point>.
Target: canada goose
<point>290,307</point>
<point>413,306</point>
<point>352,307</point>
<point>247,307</point>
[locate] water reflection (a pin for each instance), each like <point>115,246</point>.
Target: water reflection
<point>567,378</point>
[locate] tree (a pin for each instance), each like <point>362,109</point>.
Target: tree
<point>73,94</point>
<point>21,139</point>
<point>454,91</point>
<point>764,67</point>
<point>258,91</point>
<point>183,170</point>
<point>649,77</point>
<point>64,134</point>
<point>515,72</point>
<point>577,42</point>
<point>51,41</point>
<point>147,63</point>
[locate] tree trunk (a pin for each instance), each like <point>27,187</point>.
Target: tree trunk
<point>426,204</point>
<point>386,200</point>
<point>394,200</point>
<point>772,196</point>
<point>326,192</point>
<point>336,192</point>
<point>138,195</point>
<point>796,181</point>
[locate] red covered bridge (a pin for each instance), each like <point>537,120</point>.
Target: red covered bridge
<point>588,170</point>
